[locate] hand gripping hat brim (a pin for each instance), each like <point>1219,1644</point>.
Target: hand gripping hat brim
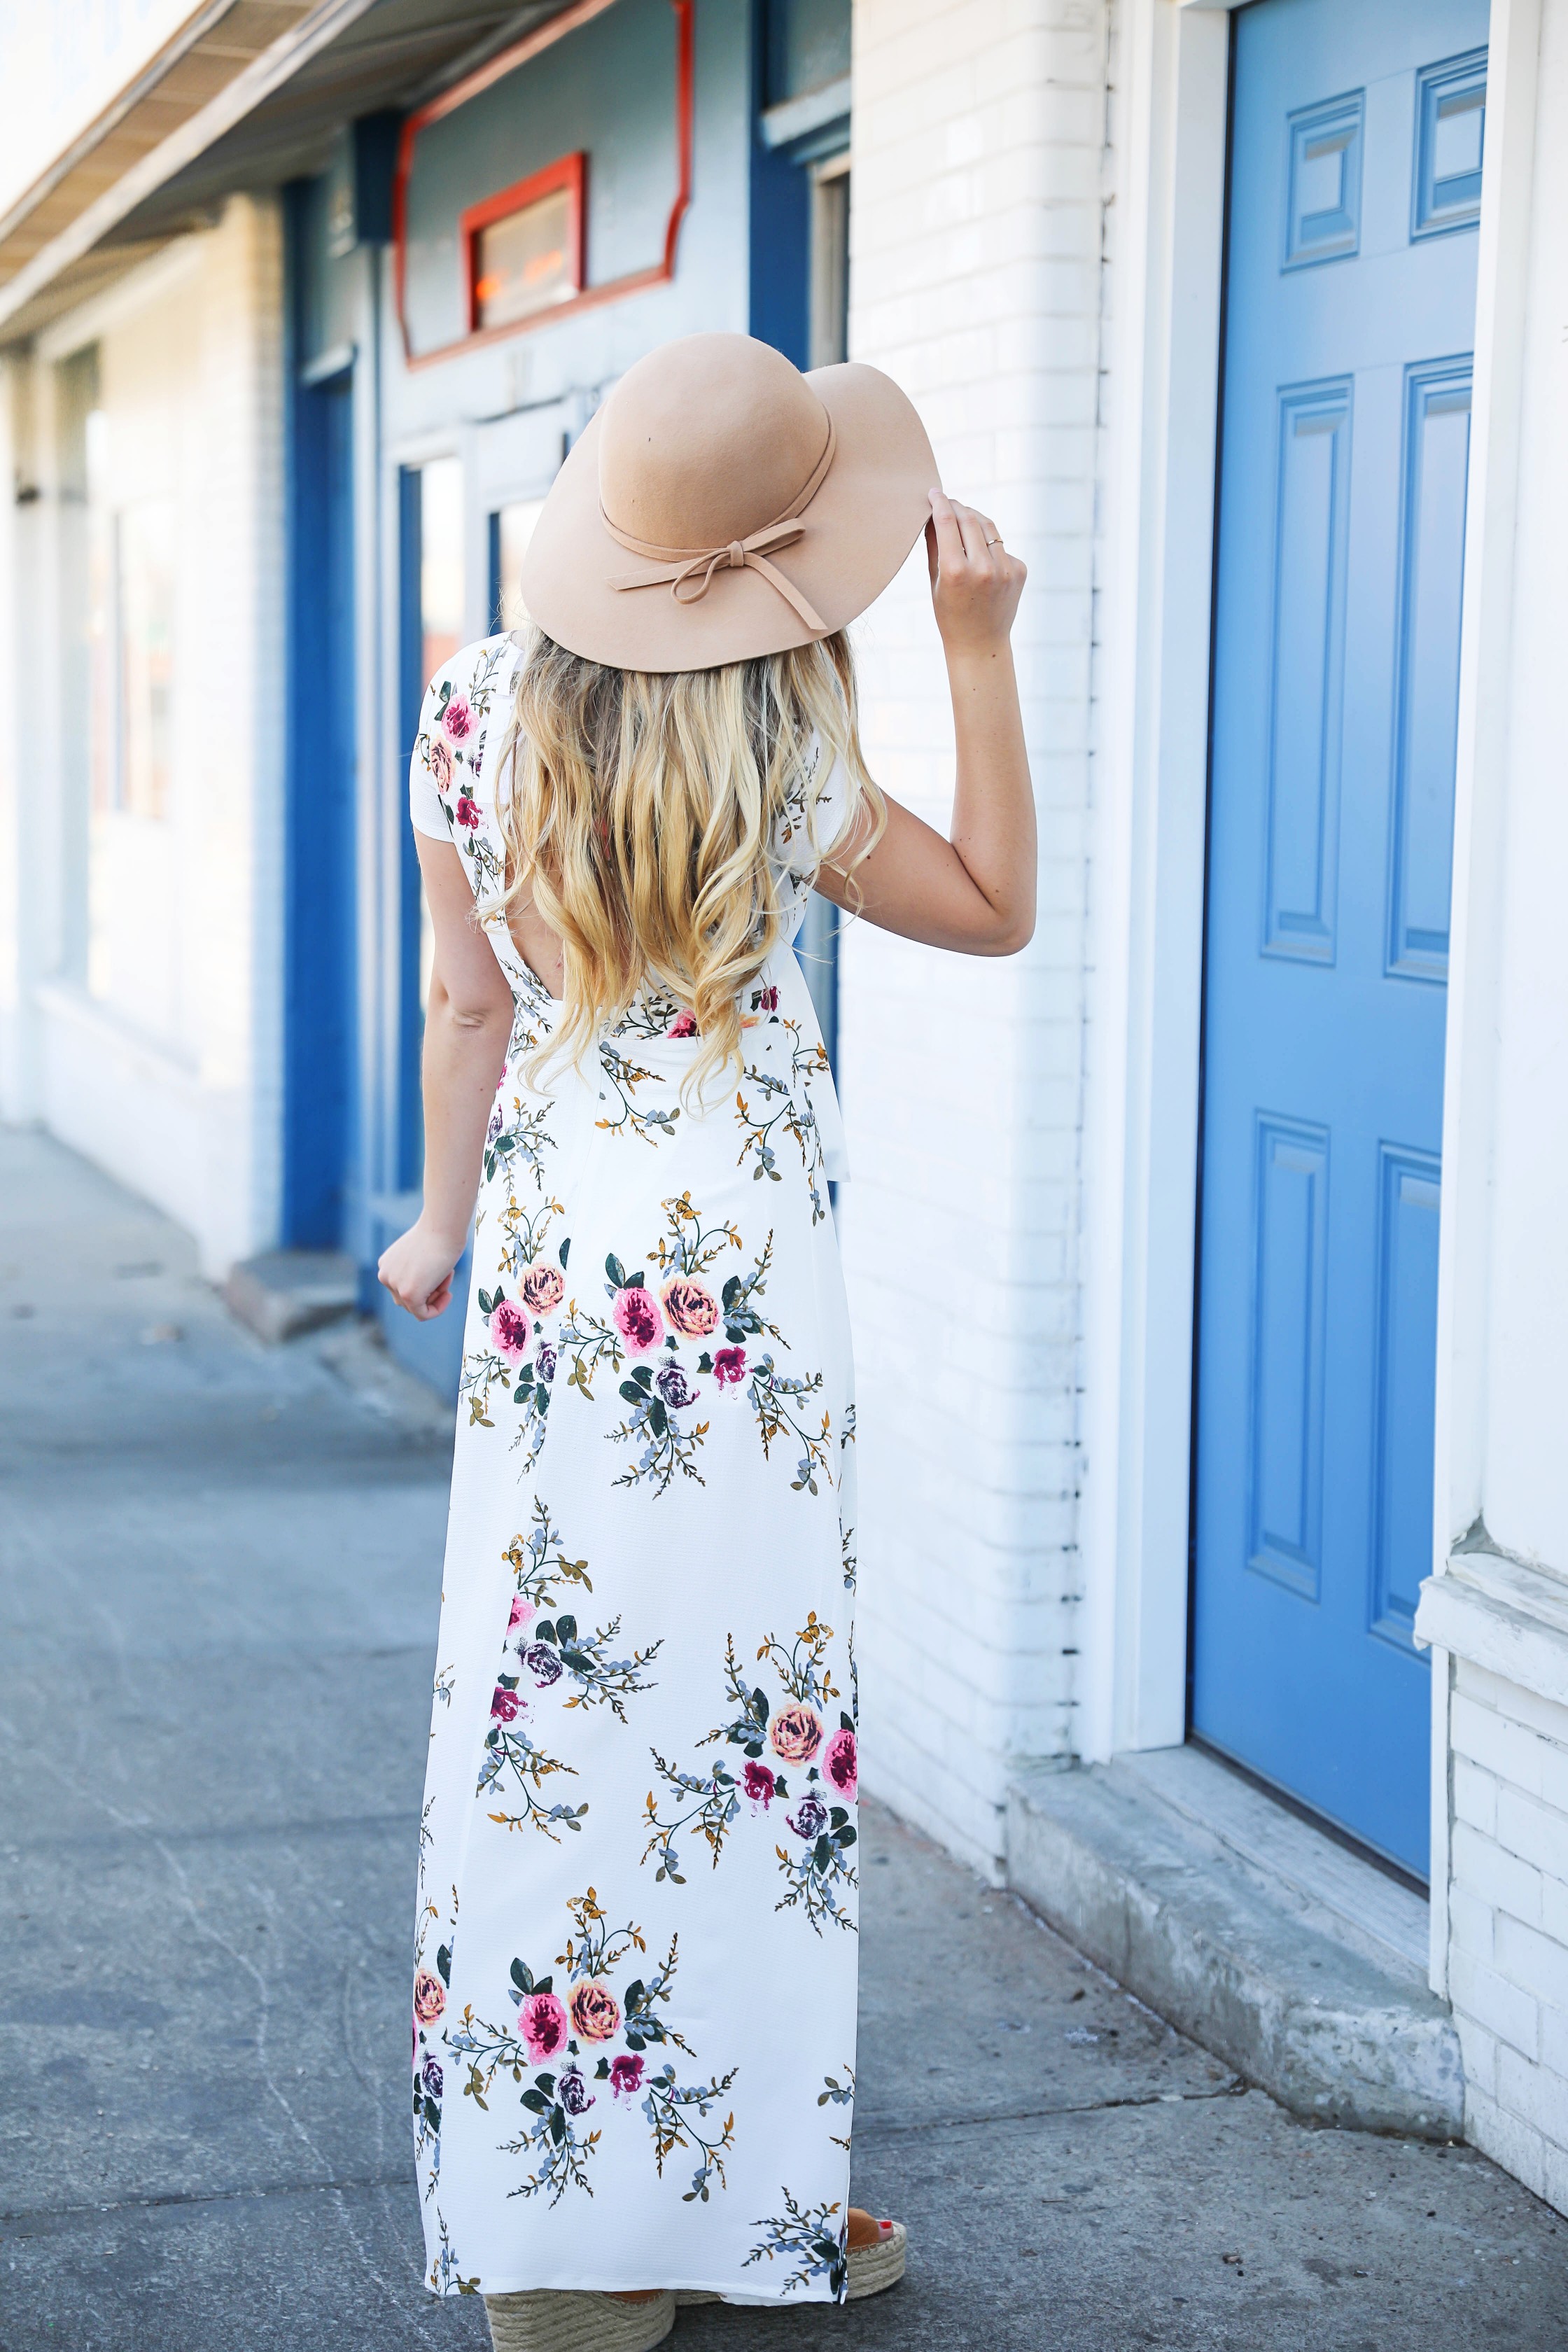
<point>722,506</point>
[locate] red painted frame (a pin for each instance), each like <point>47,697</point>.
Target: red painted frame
<point>567,172</point>
<point>506,62</point>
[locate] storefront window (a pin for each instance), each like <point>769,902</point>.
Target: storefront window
<point>512,528</point>
<point>525,247</point>
<point>440,564</point>
<point>145,614</point>
<point>433,634</point>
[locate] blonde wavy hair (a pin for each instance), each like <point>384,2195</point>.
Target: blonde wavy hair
<point>648,816</point>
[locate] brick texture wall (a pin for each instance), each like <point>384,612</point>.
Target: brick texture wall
<point>978,282</point>
<point>1508,1907</point>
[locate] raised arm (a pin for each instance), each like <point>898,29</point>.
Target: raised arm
<point>975,891</point>
<point>467,1024</point>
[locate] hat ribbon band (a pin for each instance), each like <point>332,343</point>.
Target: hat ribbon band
<point>683,565</point>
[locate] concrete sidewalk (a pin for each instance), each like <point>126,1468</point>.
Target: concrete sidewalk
<point>220,1582</point>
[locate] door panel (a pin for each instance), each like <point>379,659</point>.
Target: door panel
<point>1350,310</point>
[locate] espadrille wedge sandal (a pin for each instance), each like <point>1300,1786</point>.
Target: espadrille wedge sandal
<point>551,2322</point>
<point>879,2265</point>
<point>876,2262</point>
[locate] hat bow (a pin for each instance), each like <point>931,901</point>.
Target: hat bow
<point>679,567</point>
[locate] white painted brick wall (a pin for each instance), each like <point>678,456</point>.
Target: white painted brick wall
<point>976,280</point>
<point>1507,1924</point>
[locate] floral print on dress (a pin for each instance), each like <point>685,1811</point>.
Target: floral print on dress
<point>549,1665</point>
<point>813,2239</point>
<point>787,1754</point>
<point>564,2041</point>
<point>784,1103</point>
<point>648,1364</point>
<point>433,1938</point>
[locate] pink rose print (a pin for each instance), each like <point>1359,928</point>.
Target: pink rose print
<point>522,1612</point>
<point>683,1025</point>
<point>730,1367</point>
<point>595,2012</point>
<point>508,1330</point>
<point>543,1287</point>
<point>467,811</point>
<point>637,1317</point>
<point>543,2022</point>
<point>759,1784</point>
<point>842,1764</point>
<point>625,2074</point>
<point>796,1732</point>
<point>429,1997</point>
<point>504,1705</point>
<point>440,764</point>
<point>766,1000</point>
<point>693,1311</point>
<point>458,718</point>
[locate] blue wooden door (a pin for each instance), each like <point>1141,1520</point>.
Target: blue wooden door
<point>1355,185</point>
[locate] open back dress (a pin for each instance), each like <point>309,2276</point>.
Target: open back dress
<point>634,1952</point>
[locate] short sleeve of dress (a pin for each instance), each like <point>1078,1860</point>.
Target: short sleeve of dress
<point>461,722</point>
<point>431,763</point>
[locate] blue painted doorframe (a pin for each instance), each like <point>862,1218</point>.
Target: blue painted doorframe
<point>320,1092</point>
<point>1354,189</point>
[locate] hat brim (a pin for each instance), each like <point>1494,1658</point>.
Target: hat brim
<point>870,509</point>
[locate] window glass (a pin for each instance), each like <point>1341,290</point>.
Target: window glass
<point>440,563</point>
<point>100,619</point>
<point>512,528</point>
<point>144,610</point>
<point>523,262</point>
<point>830,291</point>
<point>438,519</point>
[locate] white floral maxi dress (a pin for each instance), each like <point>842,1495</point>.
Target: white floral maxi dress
<point>635,1955</point>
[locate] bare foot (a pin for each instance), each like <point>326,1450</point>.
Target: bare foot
<point>647,2295</point>
<point>865,2230</point>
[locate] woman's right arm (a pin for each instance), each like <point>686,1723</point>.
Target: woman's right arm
<point>467,1023</point>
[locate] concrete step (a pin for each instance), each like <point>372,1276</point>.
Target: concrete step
<point>1298,1963</point>
<point>282,1293</point>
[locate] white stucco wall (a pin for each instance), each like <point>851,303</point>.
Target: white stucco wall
<point>976,271</point>
<point>157,1050</point>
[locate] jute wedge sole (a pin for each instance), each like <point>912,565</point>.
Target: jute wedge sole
<point>871,2268</point>
<point>548,2322</point>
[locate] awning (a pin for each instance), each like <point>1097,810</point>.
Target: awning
<point>248,94</point>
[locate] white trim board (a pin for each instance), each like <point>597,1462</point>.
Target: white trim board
<point>1500,1614</point>
<point>1149,851</point>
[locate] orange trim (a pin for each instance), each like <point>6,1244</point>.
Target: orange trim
<point>566,171</point>
<point>509,60</point>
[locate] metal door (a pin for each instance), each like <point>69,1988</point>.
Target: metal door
<point>1354,192</point>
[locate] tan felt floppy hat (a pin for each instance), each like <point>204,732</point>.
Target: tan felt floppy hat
<point>721,505</point>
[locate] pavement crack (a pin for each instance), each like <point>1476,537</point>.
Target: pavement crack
<point>43,2215</point>
<point>1234,2089</point>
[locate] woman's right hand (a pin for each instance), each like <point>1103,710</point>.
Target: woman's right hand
<point>418,1269</point>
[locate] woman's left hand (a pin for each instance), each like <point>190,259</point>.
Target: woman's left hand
<point>975,584</point>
